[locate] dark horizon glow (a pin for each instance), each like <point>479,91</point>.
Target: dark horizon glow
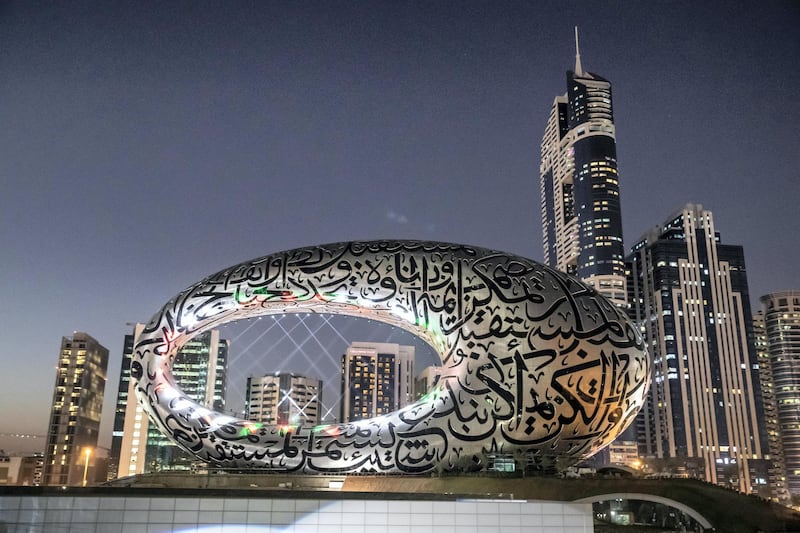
<point>146,147</point>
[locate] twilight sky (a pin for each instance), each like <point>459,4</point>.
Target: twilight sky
<point>144,147</point>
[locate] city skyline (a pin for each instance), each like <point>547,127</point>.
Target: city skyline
<point>168,143</point>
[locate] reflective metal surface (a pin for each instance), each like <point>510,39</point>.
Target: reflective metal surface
<point>534,363</point>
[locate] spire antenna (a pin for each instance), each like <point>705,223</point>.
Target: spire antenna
<point>578,68</point>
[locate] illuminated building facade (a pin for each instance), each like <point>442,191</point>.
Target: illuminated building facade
<point>579,185</point>
<point>781,316</point>
<point>283,399</point>
<point>200,371</point>
<point>777,471</point>
<point>75,414</point>
<point>689,295</point>
<point>377,379</point>
<point>624,452</point>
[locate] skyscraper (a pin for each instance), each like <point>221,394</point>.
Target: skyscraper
<point>689,295</point>
<point>76,409</point>
<point>579,185</point>
<point>777,464</point>
<point>200,370</point>
<point>122,403</point>
<point>377,378</point>
<point>283,399</point>
<point>781,312</point>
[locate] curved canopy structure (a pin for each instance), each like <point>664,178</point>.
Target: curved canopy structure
<point>534,362</point>
<point>654,498</point>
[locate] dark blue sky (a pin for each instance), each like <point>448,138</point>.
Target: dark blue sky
<point>144,147</point>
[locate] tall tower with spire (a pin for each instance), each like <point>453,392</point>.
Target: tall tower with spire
<point>579,185</point>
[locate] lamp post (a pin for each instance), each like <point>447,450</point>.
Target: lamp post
<point>86,452</point>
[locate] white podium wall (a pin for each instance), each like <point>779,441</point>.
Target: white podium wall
<point>183,514</point>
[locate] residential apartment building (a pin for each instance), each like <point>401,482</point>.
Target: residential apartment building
<point>75,412</point>
<point>284,399</point>
<point>377,378</point>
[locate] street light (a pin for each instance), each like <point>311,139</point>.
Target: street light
<point>86,452</point>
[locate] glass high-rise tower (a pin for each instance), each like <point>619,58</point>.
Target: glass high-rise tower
<point>377,378</point>
<point>122,402</point>
<point>688,293</point>
<point>579,185</point>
